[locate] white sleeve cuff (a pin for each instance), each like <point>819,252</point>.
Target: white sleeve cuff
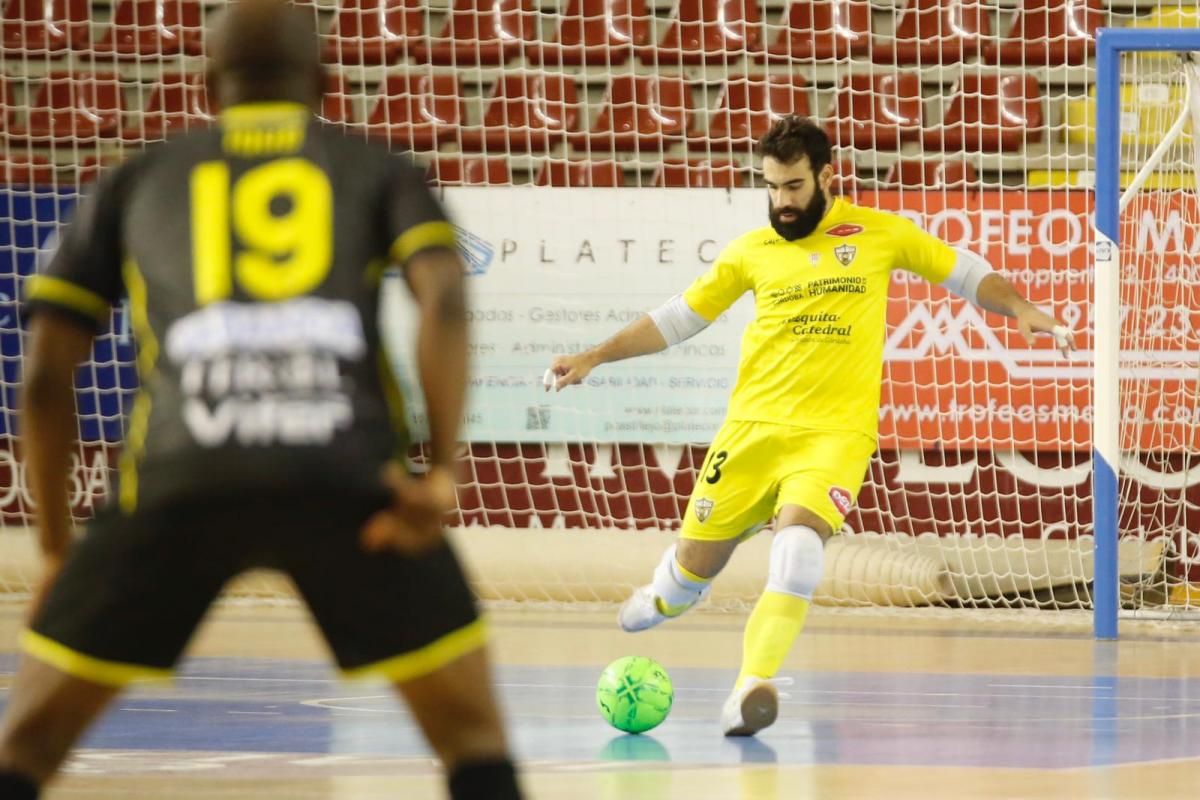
<point>969,271</point>
<point>676,321</point>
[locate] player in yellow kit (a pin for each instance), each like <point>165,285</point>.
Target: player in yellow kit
<point>802,420</point>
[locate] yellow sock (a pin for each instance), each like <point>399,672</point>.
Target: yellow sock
<point>773,626</point>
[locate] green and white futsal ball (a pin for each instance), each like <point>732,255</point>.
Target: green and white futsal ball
<point>634,694</point>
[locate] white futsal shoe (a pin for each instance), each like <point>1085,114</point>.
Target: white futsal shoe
<point>753,707</point>
<point>640,611</point>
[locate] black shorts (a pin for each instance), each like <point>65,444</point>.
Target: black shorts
<point>135,588</point>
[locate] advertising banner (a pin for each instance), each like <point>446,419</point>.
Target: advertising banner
<point>559,271</point>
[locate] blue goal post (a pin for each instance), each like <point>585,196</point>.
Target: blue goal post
<point>1111,43</point>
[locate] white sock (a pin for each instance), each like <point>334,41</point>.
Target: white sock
<point>675,590</point>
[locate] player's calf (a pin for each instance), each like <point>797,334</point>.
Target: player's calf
<point>673,591</point>
<point>47,712</point>
<point>459,716</point>
<point>797,559</point>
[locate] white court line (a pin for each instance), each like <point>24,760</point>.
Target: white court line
<point>1081,686</point>
<point>1141,762</point>
<point>843,703</point>
<point>1006,723</point>
<point>590,687</point>
<point>327,702</point>
<point>795,692</point>
<point>152,710</point>
<point>899,692</point>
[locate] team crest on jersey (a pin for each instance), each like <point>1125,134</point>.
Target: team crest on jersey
<point>845,253</point>
<point>841,499</point>
<point>704,508</point>
<point>844,229</point>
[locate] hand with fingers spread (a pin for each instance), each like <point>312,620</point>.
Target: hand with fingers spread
<point>996,294</point>
<point>416,520</point>
<point>1031,321</point>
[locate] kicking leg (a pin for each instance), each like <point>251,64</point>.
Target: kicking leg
<point>733,492</point>
<point>456,709</point>
<point>682,578</point>
<point>797,558</point>
<point>47,712</point>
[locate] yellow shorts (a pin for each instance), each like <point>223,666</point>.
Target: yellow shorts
<point>754,468</point>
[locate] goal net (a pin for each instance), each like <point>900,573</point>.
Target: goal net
<point>1153,370</point>
<point>596,155</point>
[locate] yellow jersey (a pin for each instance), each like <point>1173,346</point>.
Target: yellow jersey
<point>813,355</point>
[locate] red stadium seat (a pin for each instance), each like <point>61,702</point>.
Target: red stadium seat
<point>707,31</point>
<point>640,111</point>
<point>698,174</point>
<point>821,29</point>
<point>1051,33</point>
<point>845,178</point>
<point>481,32</point>
<point>879,111</point>
<point>336,105</point>
<point>469,171</point>
<point>990,113</point>
<point>70,108</point>
<point>179,103</point>
<point>936,31</point>
<point>748,105</point>
<point>937,174</point>
<point>373,31</point>
<point>145,28</point>
<point>525,113</point>
<point>594,32</point>
<point>555,172</point>
<point>36,27</point>
<point>417,112</point>
<point>21,169</point>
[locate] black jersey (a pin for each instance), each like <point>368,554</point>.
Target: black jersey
<point>251,255</point>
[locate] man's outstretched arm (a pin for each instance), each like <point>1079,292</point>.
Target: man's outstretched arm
<point>666,325</point>
<point>639,338</point>
<point>973,279</point>
<point>996,294</point>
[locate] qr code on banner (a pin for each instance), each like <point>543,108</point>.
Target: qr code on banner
<point>537,418</point>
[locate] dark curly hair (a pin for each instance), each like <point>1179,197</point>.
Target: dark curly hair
<point>793,137</point>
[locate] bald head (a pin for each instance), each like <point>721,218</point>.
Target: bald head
<point>264,50</point>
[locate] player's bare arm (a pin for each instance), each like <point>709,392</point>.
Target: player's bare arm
<point>436,280</point>
<point>417,520</point>
<point>56,346</point>
<point>639,338</point>
<point>997,295</point>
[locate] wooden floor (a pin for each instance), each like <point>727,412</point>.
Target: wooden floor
<point>947,705</point>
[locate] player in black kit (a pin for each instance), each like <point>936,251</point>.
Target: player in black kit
<point>267,431</point>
